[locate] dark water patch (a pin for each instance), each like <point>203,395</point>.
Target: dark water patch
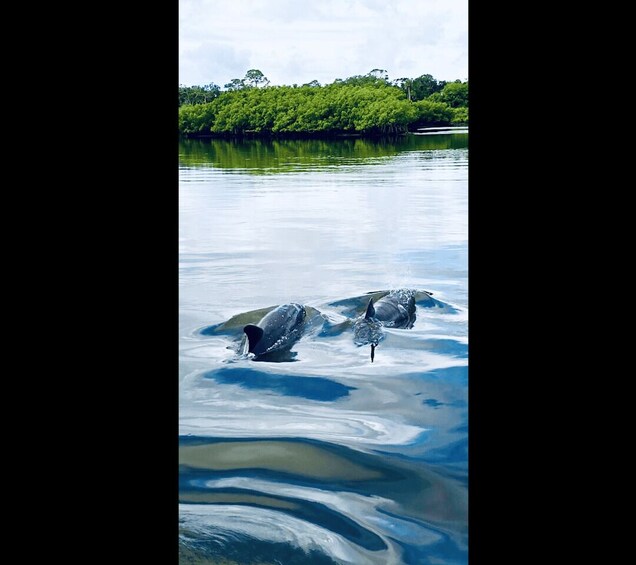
<point>439,306</point>
<point>455,375</point>
<point>461,429</point>
<point>312,388</point>
<point>244,550</point>
<point>312,512</point>
<point>450,347</point>
<point>445,552</point>
<point>454,453</point>
<point>418,489</point>
<point>284,356</point>
<point>433,402</point>
<point>449,461</point>
<point>215,329</point>
<point>312,461</point>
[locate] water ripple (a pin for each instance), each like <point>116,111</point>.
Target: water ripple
<point>325,458</point>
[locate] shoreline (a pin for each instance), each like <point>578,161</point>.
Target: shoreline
<point>432,130</point>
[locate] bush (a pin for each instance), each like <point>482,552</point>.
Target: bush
<point>432,113</point>
<point>460,116</point>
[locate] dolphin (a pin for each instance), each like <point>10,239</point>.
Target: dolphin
<point>393,310</point>
<point>277,331</point>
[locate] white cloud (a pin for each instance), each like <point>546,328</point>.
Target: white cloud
<point>296,42</point>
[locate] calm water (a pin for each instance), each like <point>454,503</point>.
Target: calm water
<point>326,458</point>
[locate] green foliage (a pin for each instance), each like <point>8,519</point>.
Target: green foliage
<point>455,94</point>
<point>359,80</point>
<point>425,85</point>
<point>379,73</point>
<point>432,113</point>
<point>252,79</point>
<point>460,116</point>
<point>419,88</point>
<point>255,78</point>
<point>235,84</point>
<point>196,119</point>
<point>198,94</point>
<point>363,104</point>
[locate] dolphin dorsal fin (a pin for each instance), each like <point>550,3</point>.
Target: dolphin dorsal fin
<point>254,335</point>
<point>370,313</point>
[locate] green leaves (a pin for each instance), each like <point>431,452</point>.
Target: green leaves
<point>255,78</point>
<point>432,113</point>
<point>196,119</point>
<point>460,116</point>
<point>455,94</point>
<point>366,104</point>
<point>198,94</point>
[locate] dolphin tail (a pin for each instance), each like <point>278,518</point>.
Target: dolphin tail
<point>254,335</point>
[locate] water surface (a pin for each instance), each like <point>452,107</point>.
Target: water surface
<point>324,457</point>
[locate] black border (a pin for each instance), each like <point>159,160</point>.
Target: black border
<point>122,248</point>
<point>514,313</point>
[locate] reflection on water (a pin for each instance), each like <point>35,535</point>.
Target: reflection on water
<point>329,458</point>
<point>275,156</point>
<point>349,494</point>
<point>314,388</point>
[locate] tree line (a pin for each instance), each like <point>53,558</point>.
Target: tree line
<point>363,104</point>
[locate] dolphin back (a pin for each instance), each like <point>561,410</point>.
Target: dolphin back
<point>396,310</point>
<point>278,330</point>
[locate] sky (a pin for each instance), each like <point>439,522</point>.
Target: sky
<point>297,41</point>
